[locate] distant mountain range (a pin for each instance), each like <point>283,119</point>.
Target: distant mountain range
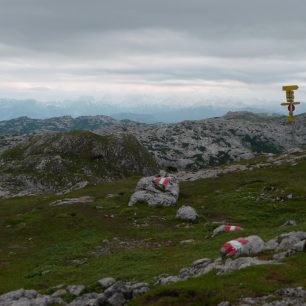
<point>10,109</point>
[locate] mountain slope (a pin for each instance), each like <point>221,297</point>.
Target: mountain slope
<point>63,161</point>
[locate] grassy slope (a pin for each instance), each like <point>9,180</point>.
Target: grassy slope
<point>36,238</point>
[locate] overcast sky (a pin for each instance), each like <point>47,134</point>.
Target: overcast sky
<point>179,51</point>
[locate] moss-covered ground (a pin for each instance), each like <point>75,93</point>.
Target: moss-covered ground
<point>43,246</point>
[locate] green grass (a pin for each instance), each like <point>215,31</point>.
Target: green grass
<point>43,246</point>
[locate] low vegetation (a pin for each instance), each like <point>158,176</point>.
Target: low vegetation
<point>43,246</point>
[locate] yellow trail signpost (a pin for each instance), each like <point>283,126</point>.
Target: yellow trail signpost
<point>290,100</point>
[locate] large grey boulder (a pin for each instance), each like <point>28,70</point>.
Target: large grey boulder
<point>148,192</point>
<point>186,213</point>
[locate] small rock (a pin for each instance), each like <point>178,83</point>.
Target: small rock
<point>226,228</point>
<point>75,289</point>
<point>240,263</point>
<point>289,222</point>
<point>140,289</point>
<point>186,213</point>
<point>300,246</point>
<point>224,303</point>
<point>117,299</point>
<point>201,263</point>
<point>168,280</point>
<point>280,256</point>
<point>271,244</point>
<point>288,240</point>
<point>88,299</point>
<point>106,282</point>
<point>81,200</point>
<point>59,293</point>
<point>188,241</point>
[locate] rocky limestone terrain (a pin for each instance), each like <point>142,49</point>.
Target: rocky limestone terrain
<point>187,145</point>
<point>194,145</point>
<point>61,162</point>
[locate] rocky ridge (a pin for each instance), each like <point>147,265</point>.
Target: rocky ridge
<point>61,162</point>
<point>187,145</point>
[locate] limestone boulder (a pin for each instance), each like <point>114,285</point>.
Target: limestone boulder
<point>156,194</point>
<point>243,246</point>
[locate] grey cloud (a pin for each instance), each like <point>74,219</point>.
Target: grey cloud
<point>160,42</point>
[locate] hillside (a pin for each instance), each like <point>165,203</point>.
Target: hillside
<point>44,246</point>
<point>59,162</point>
<point>187,145</point>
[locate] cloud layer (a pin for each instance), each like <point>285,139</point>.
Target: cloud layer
<point>210,50</point>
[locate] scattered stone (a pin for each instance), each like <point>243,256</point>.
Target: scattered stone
<point>112,195</point>
<point>168,280</point>
<point>59,293</point>
<point>289,222</point>
<point>106,282</point>
<point>140,289</point>
<point>76,289</point>
<point>188,241</point>
<point>23,297</point>
<point>186,213</point>
<point>280,256</point>
<point>200,263</point>
<point>117,299</point>
<point>146,191</point>
<point>271,244</point>
<point>88,299</point>
<point>289,196</point>
<point>300,246</point>
<point>242,262</point>
<point>224,303</point>
<point>67,201</point>
<point>226,228</point>
<point>288,240</point>
<point>79,261</point>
